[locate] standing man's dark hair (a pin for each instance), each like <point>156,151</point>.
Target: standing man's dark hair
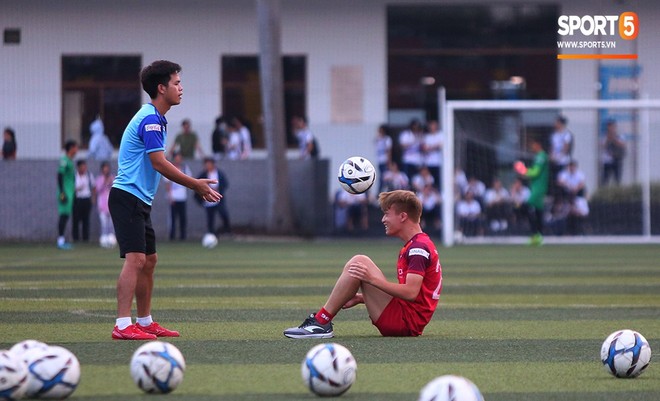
<point>157,73</point>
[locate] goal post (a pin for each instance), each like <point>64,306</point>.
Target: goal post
<point>483,137</point>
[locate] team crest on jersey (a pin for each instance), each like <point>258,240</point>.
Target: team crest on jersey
<point>152,127</point>
<point>418,251</point>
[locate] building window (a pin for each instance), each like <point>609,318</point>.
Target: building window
<point>241,93</point>
<point>475,52</point>
<point>104,86</point>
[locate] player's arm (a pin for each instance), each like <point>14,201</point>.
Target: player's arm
<point>407,291</point>
<point>169,171</point>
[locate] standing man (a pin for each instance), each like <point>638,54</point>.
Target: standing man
<point>83,202</point>
<point>214,173</point>
<point>66,184</point>
<point>538,175</point>
<point>398,309</point>
<point>141,162</point>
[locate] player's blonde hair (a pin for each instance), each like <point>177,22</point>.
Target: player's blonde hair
<point>402,201</point>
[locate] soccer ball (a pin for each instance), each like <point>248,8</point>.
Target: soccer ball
<point>625,354</point>
<point>356,175</point>
<point>157,367</point>
<point>450,388</point>
<point>54,372</point>
<point>13,376</point>
<point>24,346</point>
<point>329,369</point>
<point>108,241</point>
<point>209,240</point>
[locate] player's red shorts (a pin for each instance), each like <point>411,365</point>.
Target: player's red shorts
<point>392,323</point>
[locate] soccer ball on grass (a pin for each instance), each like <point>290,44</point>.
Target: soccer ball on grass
<point>54,372</point>
<point>13,376</point>
<point>157,367</point>
<point>329,370</point>
<point>356,175</point>
<point>209,240</point>
<point>625,354</point>
<point>450,388</point>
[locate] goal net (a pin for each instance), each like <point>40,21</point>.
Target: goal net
<point>601,187</point>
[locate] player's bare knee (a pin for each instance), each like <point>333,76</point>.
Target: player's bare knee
<point>361,259</point>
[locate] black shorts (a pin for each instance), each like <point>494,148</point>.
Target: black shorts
<point>132,220</point>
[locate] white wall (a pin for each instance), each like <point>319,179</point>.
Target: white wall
<point>197,33</point>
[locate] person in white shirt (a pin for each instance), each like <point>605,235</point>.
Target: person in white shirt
<point>422,179</point>
<point>355,209</point>
<point>177,194</point>
<point>468,210</point>
<point>383,144</point>
<point>432,147</point>
<point>571,180</point>
<point>394,179</point>
<point>83,201</point>
<point>561,146</point>
<point>519,194</point>
<point>410,141</point>
<point>306,141</point>
<point>431,201</point>
<point>242,147</point>
<point>497,202</point>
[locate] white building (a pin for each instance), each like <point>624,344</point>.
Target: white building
<point>343,43</point>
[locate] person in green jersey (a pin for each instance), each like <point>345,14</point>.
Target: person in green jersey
<point>538,175</point>
<point>66,185</point>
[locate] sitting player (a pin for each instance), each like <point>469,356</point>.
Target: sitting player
<point>396,309</point>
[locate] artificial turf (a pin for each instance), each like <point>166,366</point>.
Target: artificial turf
<point>522,323</point>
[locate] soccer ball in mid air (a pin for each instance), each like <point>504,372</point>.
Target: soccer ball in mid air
<point>54,372</point>
<point>329,369</point>
<point>13,376</point>
<point>625,354</point>
<point>356,175</point>
<point>157,367</point>
<point>450,388</point>
<point>209,240</point>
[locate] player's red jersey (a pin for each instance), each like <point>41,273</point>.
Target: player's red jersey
<point>419,256</point>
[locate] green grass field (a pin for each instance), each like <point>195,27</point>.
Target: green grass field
<point>522,323</point>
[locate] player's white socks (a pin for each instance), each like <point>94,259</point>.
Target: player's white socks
<point>144,321</point>
<point>60,241</point>
<point>123,322</point>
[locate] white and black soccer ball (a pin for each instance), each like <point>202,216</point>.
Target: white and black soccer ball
<point>356,175</point>
<point>209,240</point>
<point>157,367</point>
<point>450,388</point>
<point>625,354</point>
<point>24,346</point>
<point>108,241</point>
<point>13,376</point>
<point>54,372</point>
<point>329,369</point>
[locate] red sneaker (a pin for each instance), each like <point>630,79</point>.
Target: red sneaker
<point>131,332</point>
<point>158,330</point>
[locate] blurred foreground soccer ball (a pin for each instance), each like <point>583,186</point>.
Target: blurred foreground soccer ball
<point>157,367</point>
<point>356,175</point>
<point>209,240</point>
<point>450,388</point>
<point>54,372</point>
<point>625,354</point>
<point>13,376</point>
<point>24,346</point>
<point>329,369</point>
